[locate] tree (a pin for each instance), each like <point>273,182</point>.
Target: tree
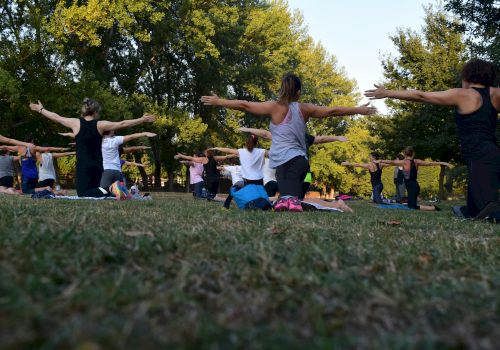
<point>480,20</point>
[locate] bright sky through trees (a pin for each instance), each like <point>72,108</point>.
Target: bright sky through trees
<point>357,32</point>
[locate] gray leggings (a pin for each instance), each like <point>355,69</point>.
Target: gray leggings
<point>109,177</point>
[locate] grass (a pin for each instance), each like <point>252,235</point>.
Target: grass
<point>181,273</point>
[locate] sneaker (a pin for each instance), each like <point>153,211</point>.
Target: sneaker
<point>295,205</point>
<point>119,191</point>
<point>281,204</point>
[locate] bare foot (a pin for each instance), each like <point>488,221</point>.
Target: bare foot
<point>344,207</point>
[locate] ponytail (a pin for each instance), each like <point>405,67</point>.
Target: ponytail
<point>290,88</point>
<point>252,141</point>
<point>90,107</point>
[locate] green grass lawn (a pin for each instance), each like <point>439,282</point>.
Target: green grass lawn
<point>182,273</point>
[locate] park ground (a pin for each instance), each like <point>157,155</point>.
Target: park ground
<point>180,273</point>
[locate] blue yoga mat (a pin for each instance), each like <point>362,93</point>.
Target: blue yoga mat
<point>393,206</point>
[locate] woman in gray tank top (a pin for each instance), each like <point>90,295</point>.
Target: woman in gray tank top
<point>288,153</point>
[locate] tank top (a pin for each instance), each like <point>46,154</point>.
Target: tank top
<point>399,176</point>
<point>46,168</point>
<point>412,174</point>
<point>376,176</point>
<point>210,169</point>
<point>288,139</point>
<point>28,166</point>
<point>88,145</point>
<point>476,131</point>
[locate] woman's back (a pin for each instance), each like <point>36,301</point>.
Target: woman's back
<point>46,169</point>
<point>252,163</point>
<point>288,139</point>
<point>88,145</point>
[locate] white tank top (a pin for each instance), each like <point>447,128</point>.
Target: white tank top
<point>252,163</point>
<point>46,169</point>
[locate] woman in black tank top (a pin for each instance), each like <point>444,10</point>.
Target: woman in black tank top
<point>375,169</point>
<point>211,173</point>
<point>88,132</point>
<point>410,171</point>
<point>477,106</point>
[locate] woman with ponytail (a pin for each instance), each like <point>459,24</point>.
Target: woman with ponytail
<point>88,131</point>
<point>251,159</point>
<point>288,154</point>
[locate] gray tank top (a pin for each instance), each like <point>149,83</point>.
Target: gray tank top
<point>288,137</point>
<point>6,166</point>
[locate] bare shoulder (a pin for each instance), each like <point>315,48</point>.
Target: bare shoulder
<point>495,97</point>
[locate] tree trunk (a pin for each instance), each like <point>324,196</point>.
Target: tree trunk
<point>142,171</point>
<point>170,181</point>
<point>188,181</point>
<point>441,193</point>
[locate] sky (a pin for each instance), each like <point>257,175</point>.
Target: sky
<point>357,32</point>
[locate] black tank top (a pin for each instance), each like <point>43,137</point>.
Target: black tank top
<point>413,173</point>
<point>476,130</point>
<point>210,169</point>
<point>88,145</point>
<point>376,176</point>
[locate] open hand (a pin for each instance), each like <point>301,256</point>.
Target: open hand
<point>376,94</point>
<point>148,118</point>
<point>366,109</point>
<point>211,100</point>
<point>342,139</point>
<point>345,163</point>
<point>149,134</point>
<point>37,107</point>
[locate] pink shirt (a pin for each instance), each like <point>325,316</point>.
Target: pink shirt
<point>196,173</point>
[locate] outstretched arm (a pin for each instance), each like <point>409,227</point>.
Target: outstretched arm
<point>451,97</point>
<point>135,149</point>
<point>15,142</point>
<point>328,139</point>
<point>104,125</point>
<point>48,149</point>
<point>226,150</point>
<point>9,148</point>
<point>134,163</point>
<point>201,160</point>
<point>131,137</point>
<point>256,108</point>
<point>355,165</point>
<point>389,162</point>
<point>426,163</point>
<point>67,134</point>
<point>65,154</point>
<point>223,158</point>
<point>265,134</point>
<point>310,110</point>
<point>71,123</point>
<point>187,162</point>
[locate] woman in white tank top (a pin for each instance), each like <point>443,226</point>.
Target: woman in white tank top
<point>251,160</point>
<point>288,124</point>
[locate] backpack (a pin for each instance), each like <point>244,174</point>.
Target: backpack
<point>251,197</point>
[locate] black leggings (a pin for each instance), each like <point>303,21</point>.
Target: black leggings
<point>212,186</point>
<point>88,181</point>
<point>271,188</point>
<point>413,189</point>
<point>291,176</point>
<point>483,182</point>
<point>254,182</point>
